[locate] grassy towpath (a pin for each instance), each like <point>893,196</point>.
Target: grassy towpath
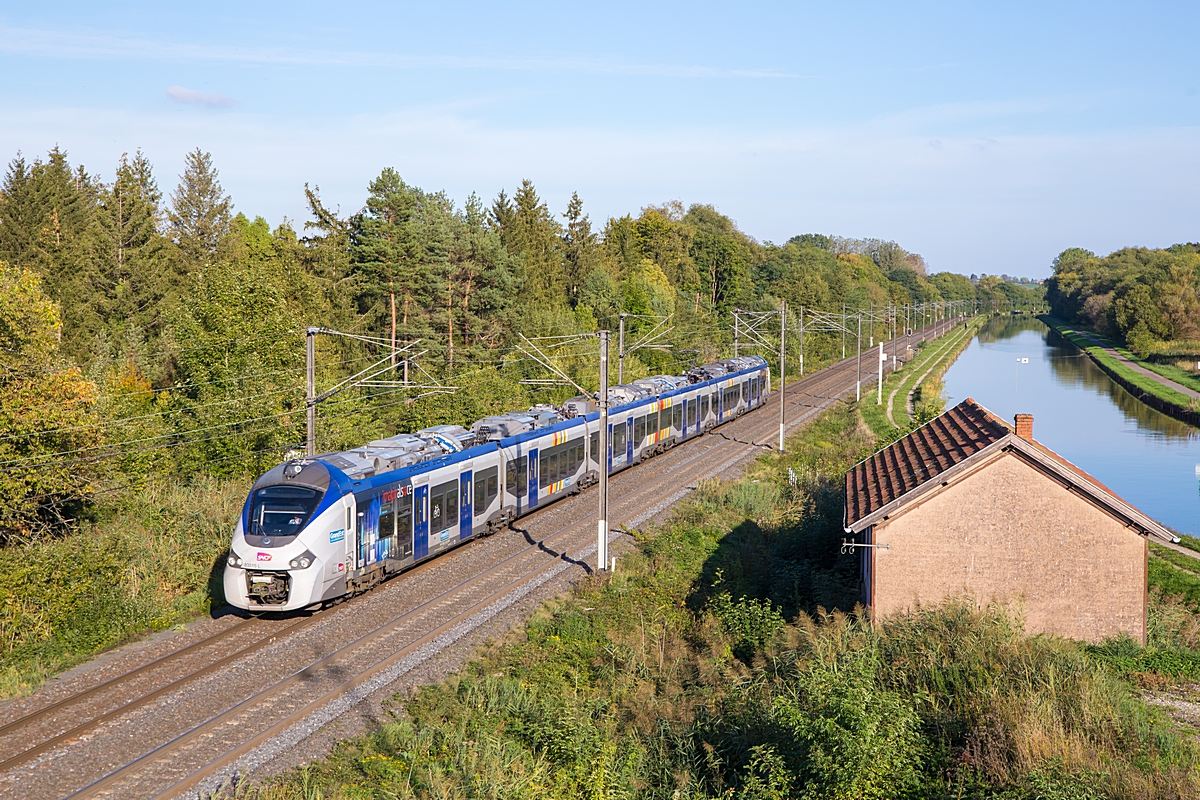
<point>911,377</point>
<point>935,358</point>
<point>1143,376</point>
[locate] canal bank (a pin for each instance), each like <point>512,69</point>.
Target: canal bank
<point>1021,365</point>
<point>1152,389</point>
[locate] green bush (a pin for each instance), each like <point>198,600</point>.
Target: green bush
<point>152,561</point>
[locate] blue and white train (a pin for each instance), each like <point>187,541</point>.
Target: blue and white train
<point>315,530</point>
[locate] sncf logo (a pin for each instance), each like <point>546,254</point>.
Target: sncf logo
<point>261,556</point>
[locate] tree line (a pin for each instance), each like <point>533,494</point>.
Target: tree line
<point>147,337</point>
<point>1139,296</point>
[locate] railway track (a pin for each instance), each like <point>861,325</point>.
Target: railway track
<point>138,735</point>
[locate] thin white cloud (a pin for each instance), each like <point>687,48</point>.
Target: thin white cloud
<point>196,97</point>
<point>102,45</point>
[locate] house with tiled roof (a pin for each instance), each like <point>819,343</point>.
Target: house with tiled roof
<point>970,505</point>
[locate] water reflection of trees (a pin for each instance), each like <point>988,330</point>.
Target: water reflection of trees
<point>1006,327</point>
<point>1071,367</point>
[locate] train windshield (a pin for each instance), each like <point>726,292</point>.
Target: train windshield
<point>282,510</point>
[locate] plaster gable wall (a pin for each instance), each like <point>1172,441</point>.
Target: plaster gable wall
<point>1007,533</point>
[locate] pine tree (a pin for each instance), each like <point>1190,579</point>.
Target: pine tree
<point>527,230</point>
<point>484,277</point>
<point>385,255</point>
<point>48,224</point>
<point>20,220</point>
<point>134,276</point>
<point>327,252</point>
<point>200,212</point>
<point>581,253</point>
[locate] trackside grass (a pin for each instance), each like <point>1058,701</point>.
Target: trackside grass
<point>726,659</point>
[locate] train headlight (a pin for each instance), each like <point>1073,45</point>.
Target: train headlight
<point>302,561</point>
<point>234,561</point>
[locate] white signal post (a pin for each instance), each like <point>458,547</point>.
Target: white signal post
<point>782,367</point>
<point>602,524</point>
<point>882,363</point>
<point>858,362</point>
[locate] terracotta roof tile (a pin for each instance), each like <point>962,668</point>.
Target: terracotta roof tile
<point>920,457</point>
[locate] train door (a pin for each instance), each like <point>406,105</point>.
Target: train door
<point>485,491</point>
<point>629,440</point>
<point>533,478</point>
<point>360,536</point>
<point>465,504</point>
<point>421,522</point>
<point>404,524</point>
<point>347,534</point>
<point>612,447</point>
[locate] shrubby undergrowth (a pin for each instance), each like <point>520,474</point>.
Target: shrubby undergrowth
<point>146,563</point>
<point>725,658</point>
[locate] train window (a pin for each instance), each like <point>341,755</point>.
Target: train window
<point>639,431</point>
<point>516,476</point>
<point>660,420</point>
<point>704,407</point>
<point>746,391</point>
<point>387,520</point>
<point>487,486</point>
<point>404,516</point>
<point>549,468</point>
<point>618,438</point>
<point>679,415</point>
<point>437,513</point>
<point>443,506</point>
<point>572,460</point>
<point>596,446</point>
<point>282,510</point>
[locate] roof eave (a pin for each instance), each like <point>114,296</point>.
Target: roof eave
<point>968,464</point>
<point>1115,505</point>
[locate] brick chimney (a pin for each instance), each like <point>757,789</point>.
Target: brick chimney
<point>1025,426</point>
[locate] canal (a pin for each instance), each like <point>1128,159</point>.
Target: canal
<point>1146,457</point>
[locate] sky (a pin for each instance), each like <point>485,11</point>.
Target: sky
<point>988,138</point>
